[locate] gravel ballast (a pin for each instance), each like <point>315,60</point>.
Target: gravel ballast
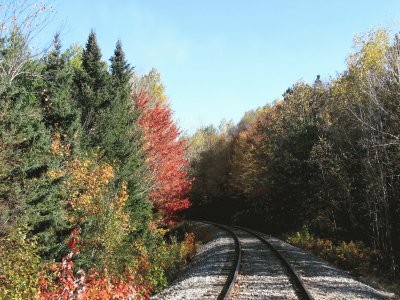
<point>206,276</point>
<point>261,275</point>
<point>323,280</point>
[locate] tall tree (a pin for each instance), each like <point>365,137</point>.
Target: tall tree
<point>166,157</point>
<point>120,138</point>
<point>116,122</point>
<point>92,88</point>
<point>60,111</point>
<point>26,195</point>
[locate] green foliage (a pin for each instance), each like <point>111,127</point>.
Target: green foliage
<point>210,168</point>
<point>326,155</point>
<point>19,265</point>
<point>25,189</point>
<point>91,92</point>
<point>60,112</point>
<point>167,257</point>
<point>71,158</point>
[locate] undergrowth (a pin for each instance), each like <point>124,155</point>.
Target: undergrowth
<point>354,257</point>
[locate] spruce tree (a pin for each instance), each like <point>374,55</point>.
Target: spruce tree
<point>60,111</point>
<point>117,119</point>
<point>121,140</point>
<point>92,90</point>
<point>108,121</point>
<point>62,121</point>
<point>26,196</point>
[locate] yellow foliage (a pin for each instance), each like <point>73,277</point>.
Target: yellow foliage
<point>187,248</point>
<point>19,266</point>
<point>90,199</point>
<point>120,214</point>
<point>87,185</point>
<point>370,53</point>
<point>351,255</point>
<point>58,148</point>
<point>155,88</point>
<point>87,182</point>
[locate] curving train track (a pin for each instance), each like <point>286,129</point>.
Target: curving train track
<point>238,263</point>
<point>264,271</point>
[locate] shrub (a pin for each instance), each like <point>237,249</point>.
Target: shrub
<point>145,273</point>
<point>60,281</point>
<point>19,264</point>
<point>166,257</point>
<point>352,256</point>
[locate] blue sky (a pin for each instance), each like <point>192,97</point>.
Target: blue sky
<point>220,58</point>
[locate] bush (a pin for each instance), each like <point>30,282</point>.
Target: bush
<point>149,271</point>
<point>19,265</point>
<point>351,256</point>
<point>167,257</point>
<point>62,281</point>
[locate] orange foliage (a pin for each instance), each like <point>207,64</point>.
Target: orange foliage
<point>166,157</point>
<point>87,183</point>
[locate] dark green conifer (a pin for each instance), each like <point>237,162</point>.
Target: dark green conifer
<point>121,138</point>
<point>92,90</point>
<point>26,195</point>
<point>60,112</point>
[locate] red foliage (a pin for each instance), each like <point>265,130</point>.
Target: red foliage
<point>165,156</point>
<point>61,283</point>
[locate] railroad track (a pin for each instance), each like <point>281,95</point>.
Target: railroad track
<point>240,264</point>
<point>260,264</point>
<point>226,292</point>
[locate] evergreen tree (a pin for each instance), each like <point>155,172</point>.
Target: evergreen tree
<point>92,91</point>
<point>116,122</point>
<point>108,120</point>
<point>121,138</point>
<point>26,198</point>
<point>62,119</point>
<point>121,71</point>
<point>60,112</point>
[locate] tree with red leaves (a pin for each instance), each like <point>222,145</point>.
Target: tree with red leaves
<point>165,156</point>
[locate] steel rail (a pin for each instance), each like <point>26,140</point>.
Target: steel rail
<point>298,283</point>
<point>231,280</point>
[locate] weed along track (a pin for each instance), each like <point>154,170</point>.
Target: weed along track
<point>238,263</point>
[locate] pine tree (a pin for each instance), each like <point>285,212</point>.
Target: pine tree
<point>60,112</point>
<point>92,89</point>
<point>62,120</point>
<point>121,71</point>
<point>121,139</point>
<point>25,196</point>
<point>108,120</point>
<point>116,120</point>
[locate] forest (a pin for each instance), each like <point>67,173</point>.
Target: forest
<point>322,161</point>
<point>95,174</point>
<point>92,170</point>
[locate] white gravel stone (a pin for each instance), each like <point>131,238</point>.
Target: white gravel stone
<point>206,276</point>
<point>323,280</point>
<point>261,275</point>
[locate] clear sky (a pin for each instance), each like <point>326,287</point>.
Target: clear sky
<point>220,58</point>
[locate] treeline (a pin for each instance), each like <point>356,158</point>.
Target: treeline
<point>326,156</point>
<point>92,170</point>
